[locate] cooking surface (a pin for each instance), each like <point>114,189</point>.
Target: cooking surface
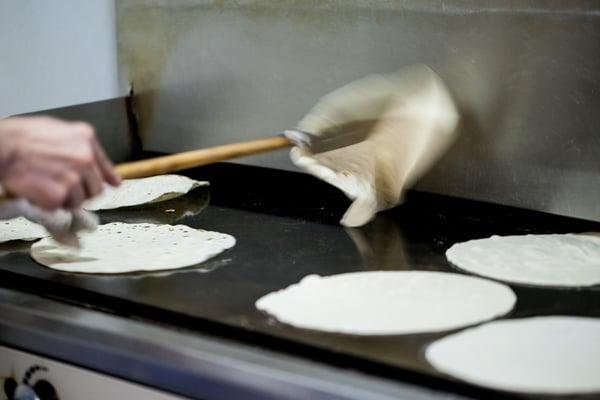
<point>286,228</point>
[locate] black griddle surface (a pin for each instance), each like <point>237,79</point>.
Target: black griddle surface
<point>286,228</point>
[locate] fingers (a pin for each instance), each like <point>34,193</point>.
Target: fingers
<point>42,191</point>
<point>106,166</point>
<point>93,156</point>
<point>51,192</point>
<point>80,185</point>
<point>75,197</point>
<point>53,163</point>
<point>49,184</point>
<point>92,181</point>
<point>73,184</point>
<point>87,158</point>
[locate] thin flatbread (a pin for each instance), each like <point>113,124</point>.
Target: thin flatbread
<point>540,260</point>
<point>541,355</point>
<point>20,229</point>
<point>117,248</point>
<point>408,120</point>
<point>133,192</point>
<point>388,302</point>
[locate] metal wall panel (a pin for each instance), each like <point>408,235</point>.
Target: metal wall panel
<point>526,75</point>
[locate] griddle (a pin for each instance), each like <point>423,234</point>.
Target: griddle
<point>286,226</point>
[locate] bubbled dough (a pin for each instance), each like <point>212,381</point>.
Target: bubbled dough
<point>119,248</point>
<point>133,192</point>
<point>20,229</point>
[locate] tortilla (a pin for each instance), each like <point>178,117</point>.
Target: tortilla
<point>407,119</point>
<point>133,192</point>
<point>119,248</point>
<point>543,260</point>
<point>388,302</point>
<point>20,229</point>
<point>542,355</point>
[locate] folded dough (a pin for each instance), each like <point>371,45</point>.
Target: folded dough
<point>133,192</point>
<point>408,119</point>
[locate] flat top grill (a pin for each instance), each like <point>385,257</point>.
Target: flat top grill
<point>286,228</point>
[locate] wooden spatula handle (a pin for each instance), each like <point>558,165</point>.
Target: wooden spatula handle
<point>196,158</point>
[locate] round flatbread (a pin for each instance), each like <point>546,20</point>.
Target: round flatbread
<point>543,355</point>
<point>20,229</point>
<point>543,260</point>
<point>119,248</point>
<point>388,302</point>
<point>133,192</point>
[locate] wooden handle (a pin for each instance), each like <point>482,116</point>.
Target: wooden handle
<point>196,158</point>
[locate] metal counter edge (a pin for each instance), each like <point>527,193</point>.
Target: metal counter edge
<point>183,363</point>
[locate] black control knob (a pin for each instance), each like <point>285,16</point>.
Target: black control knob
<point>45,390</point>
<point>10,385</point>
<point>30,388</point>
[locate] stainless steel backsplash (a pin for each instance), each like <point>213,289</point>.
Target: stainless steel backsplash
<point>526,76</point>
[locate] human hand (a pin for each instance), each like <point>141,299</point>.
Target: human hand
<point>62,225</point>
<point>52,163</point>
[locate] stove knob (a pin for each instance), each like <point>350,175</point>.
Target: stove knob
<point>45,390</point>
<point>23,392</point>
<point>10,385</point>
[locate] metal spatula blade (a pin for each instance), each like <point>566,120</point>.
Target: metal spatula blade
<point>347,136</point>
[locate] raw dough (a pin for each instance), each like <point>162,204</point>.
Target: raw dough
<point>20,229</point>
<point>552,355</point>
<point>134,192</point>
<point>388,302</point>
<point>545,260</point>
<point>118,248</point>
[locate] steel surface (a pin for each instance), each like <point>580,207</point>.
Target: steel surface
<point>526,75</point>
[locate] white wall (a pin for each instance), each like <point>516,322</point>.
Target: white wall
<point>56,53</point>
